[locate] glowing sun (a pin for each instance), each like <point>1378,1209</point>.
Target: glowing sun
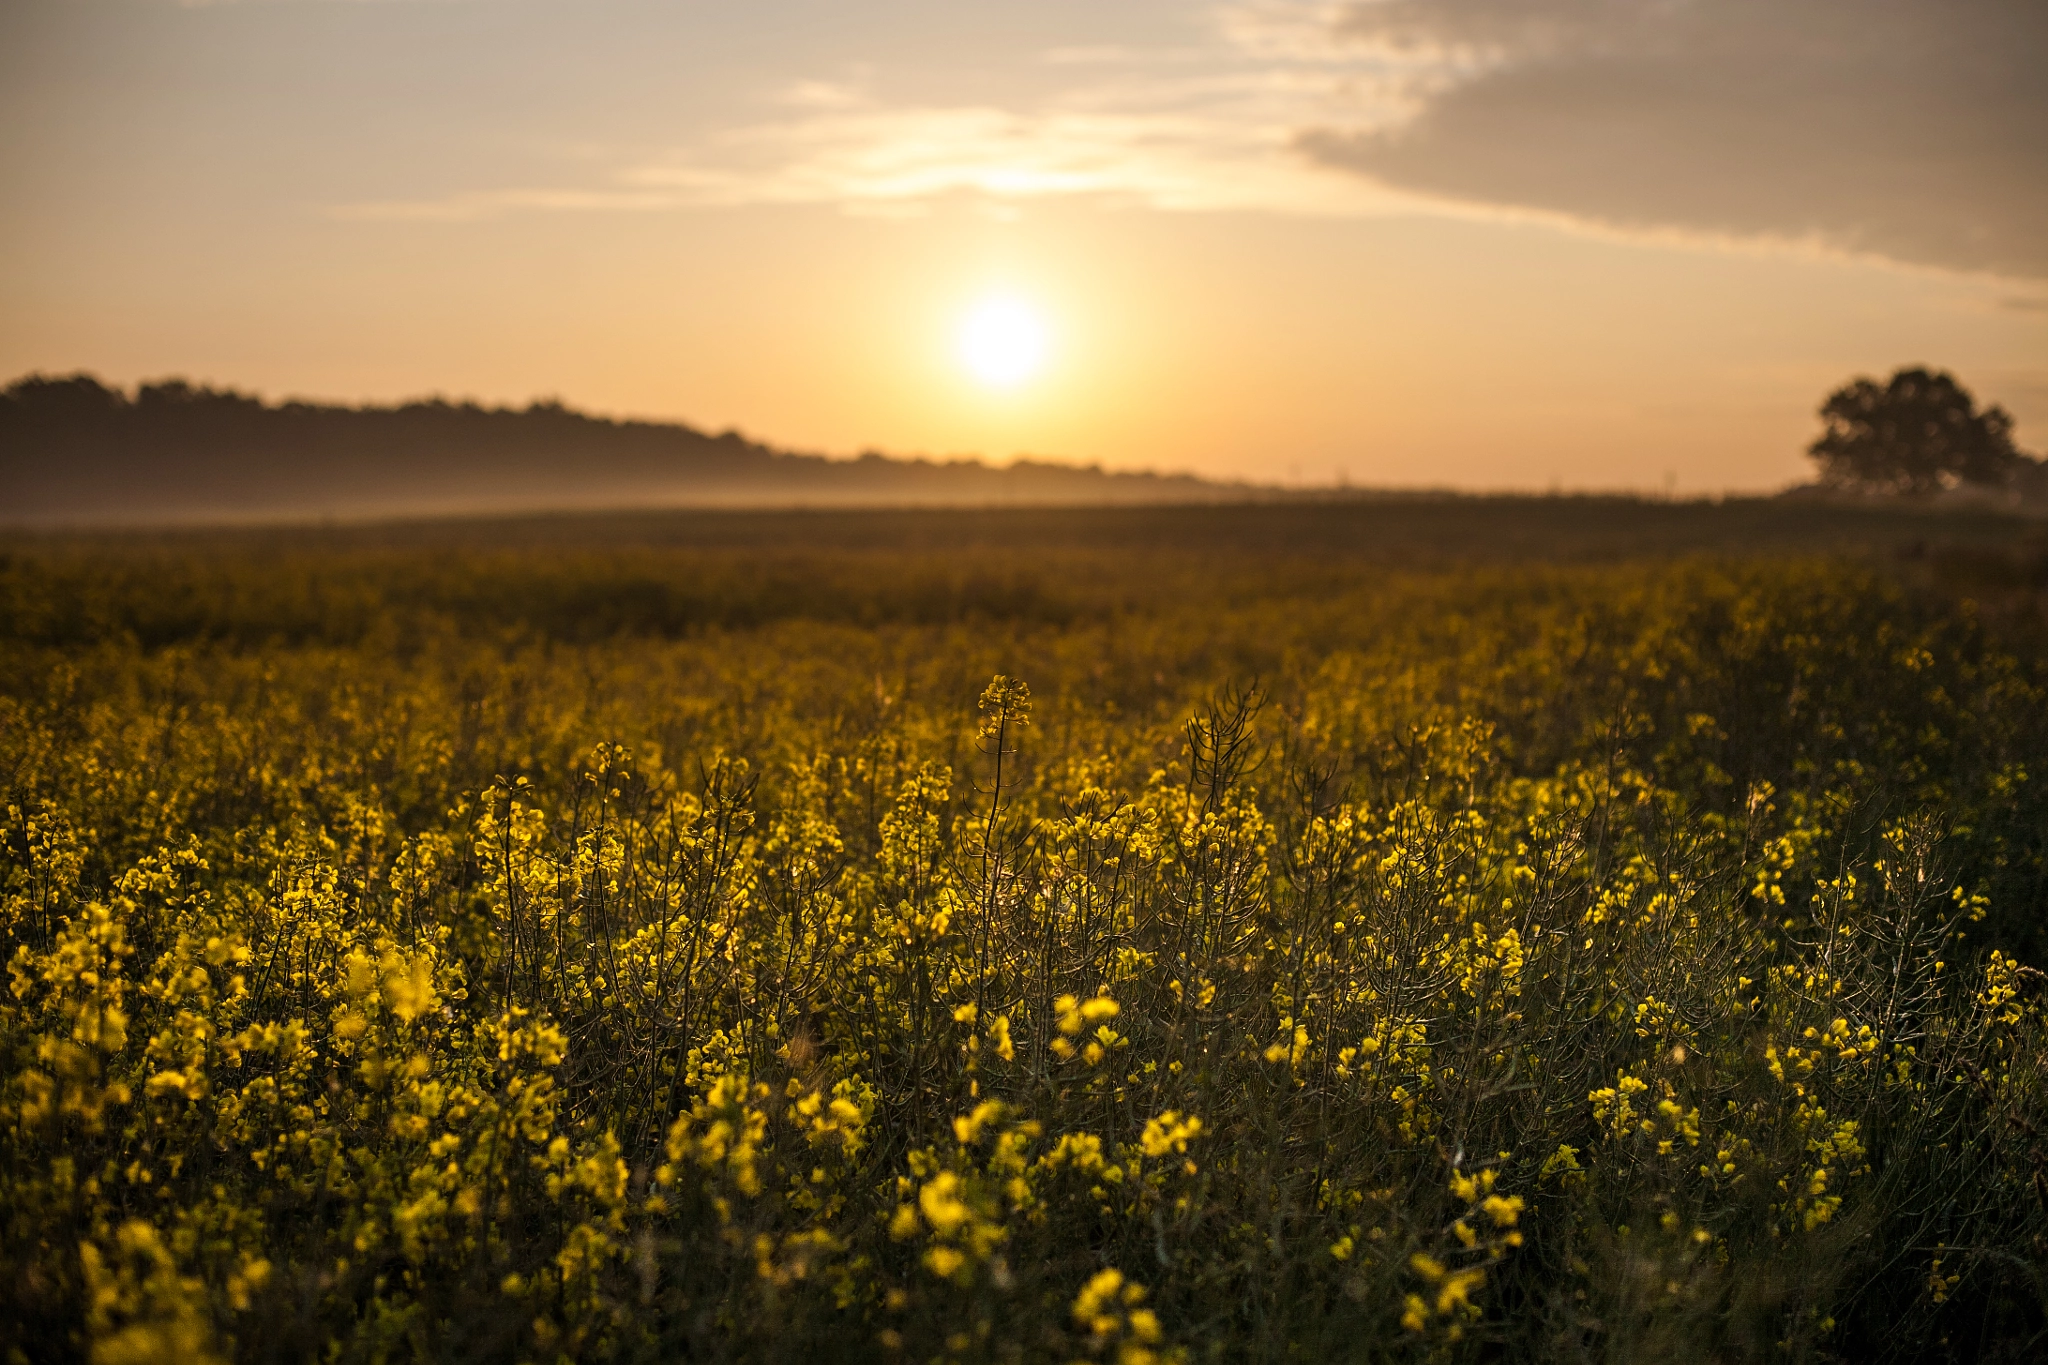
<point>1003,342</point>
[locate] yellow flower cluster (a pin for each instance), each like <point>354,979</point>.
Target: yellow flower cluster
<point>363,1006</point>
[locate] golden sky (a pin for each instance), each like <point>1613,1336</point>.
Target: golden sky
<point>1546,243</point>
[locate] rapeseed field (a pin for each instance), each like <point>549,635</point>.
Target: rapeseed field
<point>435,952</point>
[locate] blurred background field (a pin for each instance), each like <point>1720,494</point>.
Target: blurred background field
<point>670,573</point>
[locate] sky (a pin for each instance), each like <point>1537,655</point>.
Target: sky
<point>1485,244</point>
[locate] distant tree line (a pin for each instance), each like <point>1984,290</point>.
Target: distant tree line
<point>1920,434</point>
<point>73,448</point>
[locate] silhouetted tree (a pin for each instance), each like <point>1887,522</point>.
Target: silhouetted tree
<point>1920,433</point>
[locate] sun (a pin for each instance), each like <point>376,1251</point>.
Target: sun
<point>1003,342</point>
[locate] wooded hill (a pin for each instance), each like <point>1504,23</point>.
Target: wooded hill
<point>74,450</point>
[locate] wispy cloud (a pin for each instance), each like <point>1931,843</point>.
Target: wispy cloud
<point>1207,144</point>
<point>1188,129</point>
<point>1618,117</point>
<point>462,208</point>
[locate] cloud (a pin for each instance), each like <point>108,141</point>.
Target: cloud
<point>469,207</point>
<point>1198,141</point>
<point>1205,126</point>
<point>1187,146</point>
<point>1910,129</point>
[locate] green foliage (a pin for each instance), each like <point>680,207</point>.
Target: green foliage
<point>1549,963</point>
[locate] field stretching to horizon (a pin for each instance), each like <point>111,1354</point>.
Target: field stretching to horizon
<point>1402,930</point>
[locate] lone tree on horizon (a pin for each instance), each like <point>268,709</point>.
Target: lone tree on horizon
<point>1921,433</point>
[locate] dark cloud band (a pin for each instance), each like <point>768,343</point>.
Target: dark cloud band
<point>1914,129</point>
